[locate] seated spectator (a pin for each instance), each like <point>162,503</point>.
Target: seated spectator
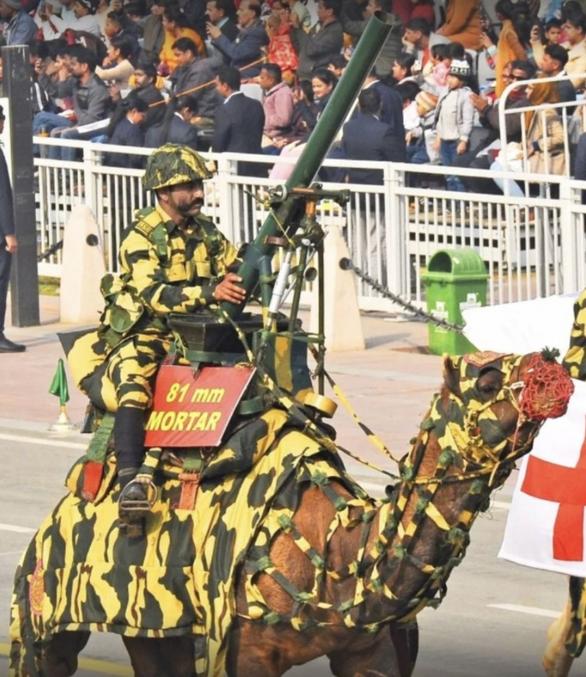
<point>176,126</point>
<point>366,137</point>
<point>240,121</point>
<point>486,146</point>
<point>317,47</point>
<point>247,48</point>
<point>454,119</point>
<point>195,76</point>
<point>337,65</point>
<point>575,29</point>
<point>176,27</point>
<point>539,38</point>
<point>280,50</point>
<point>144,80</point>
<point>407,93</point>
<point>401,68</point>
<point>322,84</point>
<point>393,45</point>
<point>91,103</point>
<point>302,16</point>
<point>277,106</point>
<point>126,129</point>
<point>304,118</point>
<point>544,150</point>
<point>117,66</point>
<point>462,23</point>
<point>119,25</point>
<point>21,28</point>
<point>418,39</point>
<point>437,80</point>
<point>52,25</point>
<point>220,13</point>
<point>85,17</point>
<point>552,65</point>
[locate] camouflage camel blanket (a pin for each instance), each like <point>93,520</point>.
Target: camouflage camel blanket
<point>81,573</point>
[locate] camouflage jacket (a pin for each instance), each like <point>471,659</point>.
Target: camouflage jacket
<point>163,269</point>
<point>575,359</point>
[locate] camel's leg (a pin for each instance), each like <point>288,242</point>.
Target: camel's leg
<point>60,655</point>
<point>378,660</point>
<point>556,659</point>
<point>406,641</point>
<point>172,656</point>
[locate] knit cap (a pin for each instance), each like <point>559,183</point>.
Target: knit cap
<point>460,68</point>
<point>426,101</point>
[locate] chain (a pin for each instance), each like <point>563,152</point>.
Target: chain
<point>347,264</point>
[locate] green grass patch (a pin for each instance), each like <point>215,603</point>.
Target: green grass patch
<point>49,286</point>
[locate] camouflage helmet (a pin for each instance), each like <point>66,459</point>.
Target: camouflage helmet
<point>171,165</point>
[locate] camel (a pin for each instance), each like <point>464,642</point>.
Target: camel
<point>346,576</point>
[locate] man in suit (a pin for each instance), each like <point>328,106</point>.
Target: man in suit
<point>220,13</point>
<point>192,72</point>
<point>366,137</point>
<point>176,127</point>
<point>239,121</point>
<point>247,47</point>
<point>8,245</point>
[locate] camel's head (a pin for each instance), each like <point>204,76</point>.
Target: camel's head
<point>492,405</point>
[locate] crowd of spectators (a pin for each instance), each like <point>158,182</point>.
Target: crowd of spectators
<point>146,72</point>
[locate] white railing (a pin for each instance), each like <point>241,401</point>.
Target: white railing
<point>533,247</point>
<point>572,117</point>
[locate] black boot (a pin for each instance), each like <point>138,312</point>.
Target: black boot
<point>133,505</point>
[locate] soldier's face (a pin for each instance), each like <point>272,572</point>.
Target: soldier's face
<point>187,198</point>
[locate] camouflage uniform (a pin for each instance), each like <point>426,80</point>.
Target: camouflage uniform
<point>164,268</point>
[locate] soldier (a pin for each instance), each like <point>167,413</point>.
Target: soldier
<point>172,259</point>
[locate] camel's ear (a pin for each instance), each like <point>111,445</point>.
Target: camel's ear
<point>451,373</point>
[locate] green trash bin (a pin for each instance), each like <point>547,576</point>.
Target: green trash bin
<point>455,279</point>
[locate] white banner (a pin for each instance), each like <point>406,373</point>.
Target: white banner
<point>546,526</point>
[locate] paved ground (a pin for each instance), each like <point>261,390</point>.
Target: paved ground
<point>494,618</point>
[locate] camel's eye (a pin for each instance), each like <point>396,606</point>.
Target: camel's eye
<point>489,382</point>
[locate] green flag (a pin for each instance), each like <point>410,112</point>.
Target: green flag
<point>58,385</point>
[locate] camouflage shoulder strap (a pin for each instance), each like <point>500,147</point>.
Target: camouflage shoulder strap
<point>148,223</point>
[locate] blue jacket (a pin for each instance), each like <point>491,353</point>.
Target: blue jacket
<point>21,30</point>
<point>246,48</point>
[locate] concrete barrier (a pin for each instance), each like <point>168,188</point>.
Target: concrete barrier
<point>83,268</point>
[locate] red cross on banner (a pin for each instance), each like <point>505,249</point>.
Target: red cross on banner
<point>566,486</point>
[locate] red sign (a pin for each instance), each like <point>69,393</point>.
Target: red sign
<point>193,409</point>
<point>566,486</point>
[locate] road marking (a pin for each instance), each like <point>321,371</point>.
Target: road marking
<point>16,529</point>
<point>43,442</point>
<point>530,610</point>
<point>91,664</point>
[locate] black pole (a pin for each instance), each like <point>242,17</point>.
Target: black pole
<point>17,85</point>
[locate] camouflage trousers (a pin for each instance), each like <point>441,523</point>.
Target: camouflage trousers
<point>119,377</point>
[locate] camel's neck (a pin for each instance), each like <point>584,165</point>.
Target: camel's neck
<point>423,532</point>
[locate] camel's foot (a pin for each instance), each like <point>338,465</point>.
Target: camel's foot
<point>556,659</point>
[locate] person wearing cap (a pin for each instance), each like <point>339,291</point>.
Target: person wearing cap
<point>21,28</point>
<point>8,245</point>
<point>454,119</point>
<point>173,259</point>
